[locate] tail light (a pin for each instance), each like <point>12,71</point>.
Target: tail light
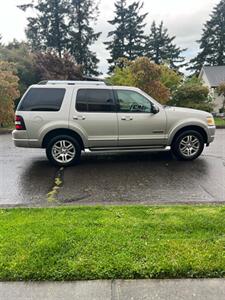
<point>19,123</point>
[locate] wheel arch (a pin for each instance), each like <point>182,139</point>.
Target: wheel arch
<point>62,131</point>
<point>197,128</point>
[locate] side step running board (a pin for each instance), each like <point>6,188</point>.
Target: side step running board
<point>129,149</point>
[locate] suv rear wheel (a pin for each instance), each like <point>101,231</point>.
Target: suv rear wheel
<point>63,151</point>
<point>188,145</point>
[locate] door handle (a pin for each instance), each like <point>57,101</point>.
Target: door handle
<point>127,118</point>
<point>79,117</point>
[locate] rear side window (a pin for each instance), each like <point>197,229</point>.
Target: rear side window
<point>42,99</point>
<point>95,100</point>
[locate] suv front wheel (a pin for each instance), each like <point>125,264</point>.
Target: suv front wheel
<point>188,145</point>
<point>63,151</point>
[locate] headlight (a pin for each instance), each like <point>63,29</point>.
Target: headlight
<point>210,121</point>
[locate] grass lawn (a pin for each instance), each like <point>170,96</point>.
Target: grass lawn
<point>219,122</point>
<point>112,242</point>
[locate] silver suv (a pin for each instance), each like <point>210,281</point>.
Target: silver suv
<point>68,117</point>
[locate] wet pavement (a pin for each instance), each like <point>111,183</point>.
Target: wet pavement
<point>28,179</point>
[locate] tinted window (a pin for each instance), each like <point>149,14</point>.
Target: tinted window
<point>42,99</point>
<point>95,100</point>
<point>130,101</point>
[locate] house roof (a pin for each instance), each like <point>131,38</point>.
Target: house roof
<point>215,75</point>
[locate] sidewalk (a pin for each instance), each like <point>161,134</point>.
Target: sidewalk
<point>207,289</point>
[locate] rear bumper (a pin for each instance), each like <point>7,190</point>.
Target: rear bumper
<point>20,139</point>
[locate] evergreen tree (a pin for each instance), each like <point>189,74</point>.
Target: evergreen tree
<point>117,45</point>
<point>81,34</point>
<point>64,25</point>
<point>128,37</point>
<point>48,29</point>
<point>212,42</point>
<point>161,49</point>
<point>135,30</point>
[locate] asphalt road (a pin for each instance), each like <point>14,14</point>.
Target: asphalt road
<point>27,178</point>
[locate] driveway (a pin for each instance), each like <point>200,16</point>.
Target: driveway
<point>27,178</point>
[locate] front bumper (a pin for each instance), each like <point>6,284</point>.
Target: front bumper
<point>211,133</point>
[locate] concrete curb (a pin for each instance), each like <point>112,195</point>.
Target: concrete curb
<point>5,131</point>
<point>184,289</point>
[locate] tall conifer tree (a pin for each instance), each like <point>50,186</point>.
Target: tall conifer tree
<point>83,13</point>
<point>47,30</point>
<point>128,35</point>
<point>160,47</point>
<point>135,30</point>
<point>64,25</point>
<point>212,42</point>
<point>117,45</point>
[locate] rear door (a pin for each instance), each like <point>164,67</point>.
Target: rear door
<point>138,125</point>
<point>93,111</point>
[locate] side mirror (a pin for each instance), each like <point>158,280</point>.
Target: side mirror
<point>155,109</point>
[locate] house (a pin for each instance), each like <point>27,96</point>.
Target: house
<point>212,77</point>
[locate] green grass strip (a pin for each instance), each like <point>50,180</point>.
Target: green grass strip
<point>220,122</point>
<point>77,243</point>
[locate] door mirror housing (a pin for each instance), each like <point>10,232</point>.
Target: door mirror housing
<point>155,109</point>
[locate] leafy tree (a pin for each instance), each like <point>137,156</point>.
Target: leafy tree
<point>147,77</point>
<point>50,66</point>
<point>170,78</point>
<point>64,25</point>
<point>161,49</point>
<point>8,92</point>
<point>143,74</point>
<point>122,74</point>
<point>221,92</point>
<point>191,93</point>
<point>128,36</point>
<point>20,54</point>
<point>82,35</point>
<point>212,42</point>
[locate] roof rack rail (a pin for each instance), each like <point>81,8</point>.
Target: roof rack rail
<point>42,82</point>
<point>71,82</point>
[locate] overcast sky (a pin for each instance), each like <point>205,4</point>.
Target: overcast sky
<point>183,18</point>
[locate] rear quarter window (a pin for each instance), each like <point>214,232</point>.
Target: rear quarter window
<point>42,99</point>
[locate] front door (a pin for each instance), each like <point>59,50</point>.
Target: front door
<point>138,125</point>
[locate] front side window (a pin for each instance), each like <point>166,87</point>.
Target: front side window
<point>95,100</point>
<point>130,101</point>
<point>42,99</point>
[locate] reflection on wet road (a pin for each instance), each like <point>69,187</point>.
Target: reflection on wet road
<point>27,178</point>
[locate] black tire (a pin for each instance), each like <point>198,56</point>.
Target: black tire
<point>177,147</point>
<point>67,140</point>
